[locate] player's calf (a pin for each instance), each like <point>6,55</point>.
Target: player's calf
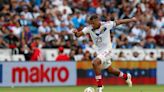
<point>97,68</point>
<point>119,73</point>
<point>127,77</point>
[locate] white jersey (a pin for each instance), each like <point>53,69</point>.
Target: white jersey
<point>101,37</point>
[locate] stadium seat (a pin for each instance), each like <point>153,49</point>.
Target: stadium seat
<point>148,51</point>
<point>78,57</point>
<point>34,30</point>
<point>50,55</point>
<point>67,51</point>
<point>159,52</point>
<point>5,57</point>
<point>127,53</point>
<point>5,51</point>
<point>115,54</point>
<point>141,53</point>
<point>18,57</point>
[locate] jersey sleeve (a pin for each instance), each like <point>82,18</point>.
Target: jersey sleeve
<point>86,30</point>
<point>111,24</point>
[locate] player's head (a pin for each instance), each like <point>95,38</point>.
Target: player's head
<point>94,21</point>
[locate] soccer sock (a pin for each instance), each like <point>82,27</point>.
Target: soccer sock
<point>122,75</point>
<point>99,80</point>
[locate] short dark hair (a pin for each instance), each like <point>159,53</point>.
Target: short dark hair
<point>93,17</point>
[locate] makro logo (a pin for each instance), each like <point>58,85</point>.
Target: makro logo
<point>38,74</point>
<point>1,73</point>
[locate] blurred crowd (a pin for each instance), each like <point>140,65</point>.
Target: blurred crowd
<point>26,26</point>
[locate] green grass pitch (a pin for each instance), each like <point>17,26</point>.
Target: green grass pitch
<point>81,89</point>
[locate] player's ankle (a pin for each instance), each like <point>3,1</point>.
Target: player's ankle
<point>123,75</point>
<point>99,81</point>
<point>99,86</point>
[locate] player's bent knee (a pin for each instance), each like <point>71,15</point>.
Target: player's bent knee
<point>96,62</point>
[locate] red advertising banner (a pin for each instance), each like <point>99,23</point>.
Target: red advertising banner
<point>38,74</point>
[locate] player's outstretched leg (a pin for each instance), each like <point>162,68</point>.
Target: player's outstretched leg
<point>118,73</point>
<point>97,69</point>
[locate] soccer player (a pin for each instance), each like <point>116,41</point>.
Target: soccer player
<point>100,35</point>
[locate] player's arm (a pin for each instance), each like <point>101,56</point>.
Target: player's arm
<point>78,33</point>
<point>124,21</point>
<point>84,31</point>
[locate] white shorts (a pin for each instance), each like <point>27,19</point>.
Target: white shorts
<point>105,58</point>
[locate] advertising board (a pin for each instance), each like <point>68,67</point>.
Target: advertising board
<point>38,74</point>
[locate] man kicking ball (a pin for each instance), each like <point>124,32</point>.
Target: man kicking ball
<point>100,34</point>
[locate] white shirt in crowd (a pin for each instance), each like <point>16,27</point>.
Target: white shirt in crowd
<point>27,15</point>
<point>139,32</point>
<point>44,29</point>
<point>16,30</point>
<point>159,23</point>
<point>57,2</point>
<point>61,8</point>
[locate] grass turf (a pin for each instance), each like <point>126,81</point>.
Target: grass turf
<point>81,88</point>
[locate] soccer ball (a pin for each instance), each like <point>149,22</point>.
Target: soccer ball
<point>89,89</point>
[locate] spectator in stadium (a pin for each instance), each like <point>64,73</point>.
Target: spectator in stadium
<point>100,9</point>
<point>151,56</point>
<point>65,8</point>
<point>12,40</point>
<point>26,13</point>
<point>75,44</point>
<point>87,56</point>
<point>122,41</point>
<point>3,44</point>
<point>80,51</point>
<point>94,54</point>
<point>52,25</point>
<point>17,29</point>
<point>72,54</point>
<point>83,44</point>
<point>50,38</point>
<point>4,30</point>
<point>154,30</point>
<point>150,41</point>
<point>131,39</point>
<point>76,20</point>
<point>26,34</point>
<point>122,56</point>
<point>36,12</point>
<point>161,58</point>
<point>138,32</point>
<point>23,21</point>
<point>36,51</point>
<point>24,49</point>
<point>58,18</point>
<point>159,21</point>
<point>5,9</point>
<point>44,29</point>
<point>90,47</point>
<point>45,5</point>
<point>62,56</point>
<point>62,28</point>
<point>159,38</point>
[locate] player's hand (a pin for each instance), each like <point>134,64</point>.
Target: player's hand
<point>75,31</point>
<point>134,19</point>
